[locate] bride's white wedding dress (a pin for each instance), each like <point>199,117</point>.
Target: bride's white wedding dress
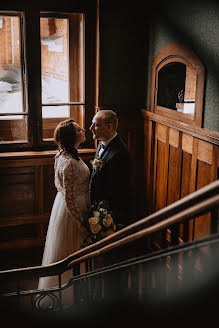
<point>65,234</point>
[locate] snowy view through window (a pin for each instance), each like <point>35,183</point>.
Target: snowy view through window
<point>54,54</point>
<point>54,91</point>
<point>54,66</point>
<point>58,89</point>
<point>10,91</point>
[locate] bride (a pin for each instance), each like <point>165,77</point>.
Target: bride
<point>65,232</point>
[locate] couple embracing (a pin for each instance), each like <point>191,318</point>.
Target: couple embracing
<point>78,191</point>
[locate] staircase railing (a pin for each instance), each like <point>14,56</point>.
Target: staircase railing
<point>155,258</point>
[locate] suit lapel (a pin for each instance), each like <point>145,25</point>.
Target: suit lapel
<point>94,172</point>
<point>107,153</point>
<point>103,158</point>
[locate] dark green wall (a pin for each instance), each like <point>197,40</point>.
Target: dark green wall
<point>195,23</point>
<point>133,32</point>
<point>123,71</point>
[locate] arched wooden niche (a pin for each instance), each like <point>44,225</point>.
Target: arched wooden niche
<point>177,84</point>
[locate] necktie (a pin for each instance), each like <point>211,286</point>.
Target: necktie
<point>101,149</point>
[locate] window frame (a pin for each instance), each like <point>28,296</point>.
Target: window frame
<point>74,72</point>
<point>30,34</point>
<point>22,50</point>
<point>177,52</point>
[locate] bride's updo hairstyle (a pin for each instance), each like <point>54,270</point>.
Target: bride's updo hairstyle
<point>65,138</point>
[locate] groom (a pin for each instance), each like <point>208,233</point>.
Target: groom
<point>110,179</point>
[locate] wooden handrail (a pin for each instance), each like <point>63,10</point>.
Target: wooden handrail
<point>192,205</point>
<point>195,210</point>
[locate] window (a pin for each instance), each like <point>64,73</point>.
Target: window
<point>45,77</point>
<point>62,70</point>
<point>13,111</point>
<point>177,84</point>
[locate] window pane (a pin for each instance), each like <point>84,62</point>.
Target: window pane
<point>49,124</point>
<point>177,87</point>
<point>11,98</point>
<point>54,57</point>
<point>13,129</point>
<point>55,111</point>
<point>171,85</point>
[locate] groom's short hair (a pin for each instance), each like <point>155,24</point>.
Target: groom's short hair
<point>109,117</point>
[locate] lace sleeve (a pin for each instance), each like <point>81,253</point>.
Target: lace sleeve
<point>69,178</point>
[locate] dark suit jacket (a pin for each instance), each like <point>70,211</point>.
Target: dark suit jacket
<point>112,181</point>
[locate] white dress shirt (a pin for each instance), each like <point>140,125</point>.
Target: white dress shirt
<point>105,144</point>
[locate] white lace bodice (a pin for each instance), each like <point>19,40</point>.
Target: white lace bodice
<point>72,180</point>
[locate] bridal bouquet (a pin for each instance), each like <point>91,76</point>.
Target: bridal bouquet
<point>99,222</point>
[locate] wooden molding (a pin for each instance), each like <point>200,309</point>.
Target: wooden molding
<point>22,220</point>
<point>195,131</point>
<point>38,154</point>
<point>22,243</point>
<point>177,52</point>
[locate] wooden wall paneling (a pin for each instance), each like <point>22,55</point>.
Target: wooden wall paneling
<point>204,168</point>
<point>22,220</point>
<point>39,188</point>
<point>166,163</point>
<point>205,151</point>
<point>49,189</point>
<point>162,166</point>
<point>25,162</point>
<point>39,197</point>
<point>141,203</point>
<point>18,182</point>
<point>160,181</point>
<point>187,143</point>
<point>28,178</point>
<point>174,178</point>
<point>18,195</point>
<point>215,163</point>
<point>175,162</point>
<point>187,146</point>
<point>154,159</point>
<point>192,188</point>
<point>22,243</point>
<point>194,165</point>
<point>148,149</point>
<point>186,173</point>
<point>185,189</point>
<point>199,166</point>
<point>215,176</point>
